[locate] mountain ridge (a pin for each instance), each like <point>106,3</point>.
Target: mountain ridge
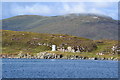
<point>89,26</point>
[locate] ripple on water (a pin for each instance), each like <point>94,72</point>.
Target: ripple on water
<point>44,68</point>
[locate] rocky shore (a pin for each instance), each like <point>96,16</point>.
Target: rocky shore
<point>46,55</point>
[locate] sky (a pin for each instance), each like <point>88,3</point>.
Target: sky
<point>10,9</point>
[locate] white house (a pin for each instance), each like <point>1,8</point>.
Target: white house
<point>54,47</point>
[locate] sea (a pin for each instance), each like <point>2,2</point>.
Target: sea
<point>59,68</point>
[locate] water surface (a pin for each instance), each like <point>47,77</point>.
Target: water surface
<point>50,68</point>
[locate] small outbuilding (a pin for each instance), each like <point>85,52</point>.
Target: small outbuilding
<point>54,47</point>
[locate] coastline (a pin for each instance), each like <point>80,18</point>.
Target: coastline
<point>59,55</point>
<point>67,59</point>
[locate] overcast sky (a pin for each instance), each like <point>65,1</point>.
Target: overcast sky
<point>10,9</point>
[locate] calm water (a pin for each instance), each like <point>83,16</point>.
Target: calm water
<point>40,68</point>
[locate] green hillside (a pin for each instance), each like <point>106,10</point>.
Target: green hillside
<point>14,42</point>
<point>28,41</point>
<point>20,22</point>
<point>83,25</point>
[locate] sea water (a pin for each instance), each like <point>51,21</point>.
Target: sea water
<point>58,68</point>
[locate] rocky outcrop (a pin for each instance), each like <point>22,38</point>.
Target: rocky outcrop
<point>48,55</point>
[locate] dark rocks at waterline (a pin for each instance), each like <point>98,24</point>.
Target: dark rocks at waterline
<point>47,55</point>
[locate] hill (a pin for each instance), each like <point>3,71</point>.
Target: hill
<point>82,25</point>
<point>37,42</point>
<point>15,42</point>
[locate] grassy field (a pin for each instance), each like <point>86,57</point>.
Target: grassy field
<point>13,42</point>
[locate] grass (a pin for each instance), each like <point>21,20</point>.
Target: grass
<point>28,42</point>
<point>15,41</point>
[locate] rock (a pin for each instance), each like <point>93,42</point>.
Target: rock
<point>95,58</point>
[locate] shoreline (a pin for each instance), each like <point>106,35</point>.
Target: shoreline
<point>53,55</point>
<point>65,59</point>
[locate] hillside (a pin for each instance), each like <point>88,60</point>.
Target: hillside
<point>37,42</point>
<point>82,25</point>
<point>15,42</point>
